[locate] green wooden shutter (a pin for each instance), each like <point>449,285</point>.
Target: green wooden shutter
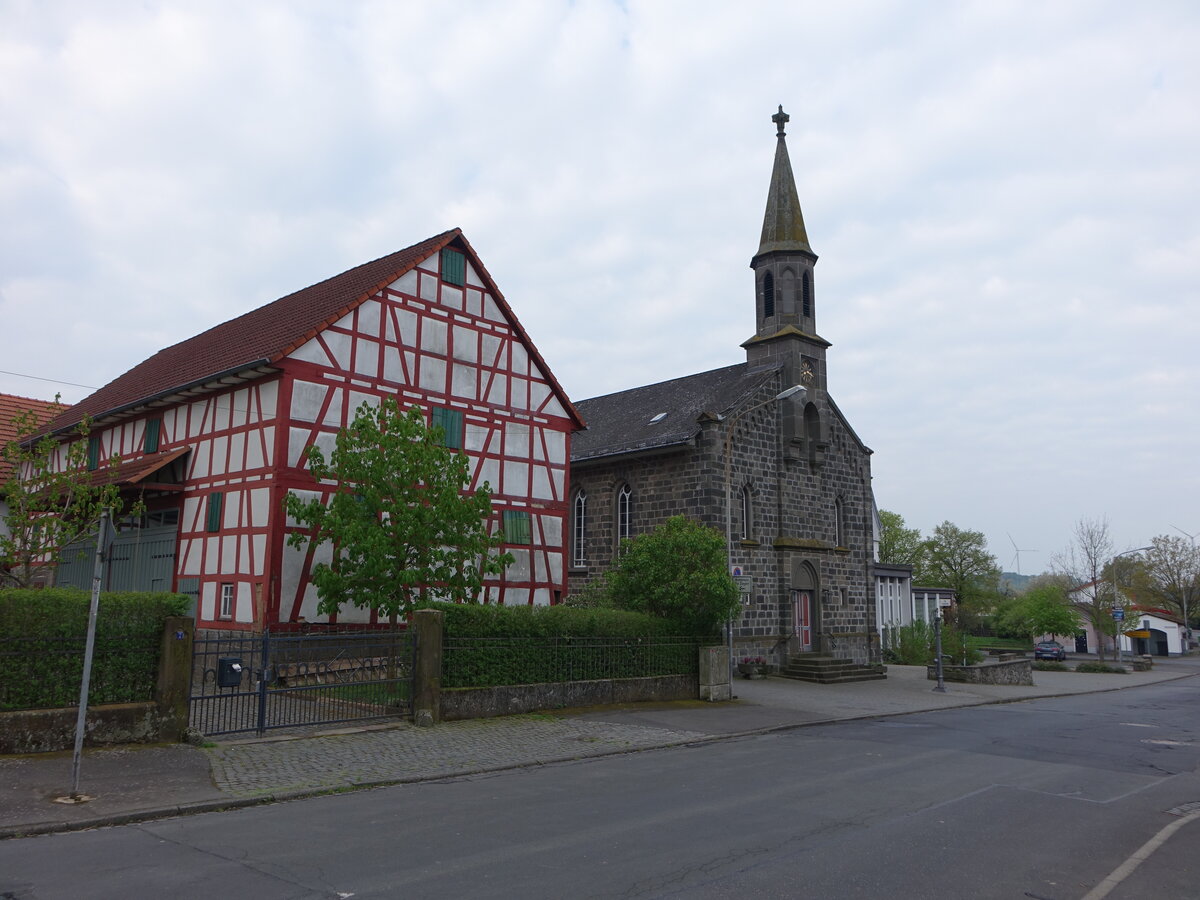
<point>153,426</point>
<point>451,423</point>
<point>93,454</point>
<point>454,267</point>
<point>214,511</point>
<point>516,527</point>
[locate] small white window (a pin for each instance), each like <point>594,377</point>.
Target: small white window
<point>226,601</point>
<point>658,418</point>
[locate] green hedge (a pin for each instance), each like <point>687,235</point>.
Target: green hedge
<point>42,640</point>
<point>1100,668</point>
<point>488,646</point>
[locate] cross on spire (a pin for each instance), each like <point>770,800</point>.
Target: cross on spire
<point>780,119</point>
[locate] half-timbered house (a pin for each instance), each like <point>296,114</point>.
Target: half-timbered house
<point>211,433</point>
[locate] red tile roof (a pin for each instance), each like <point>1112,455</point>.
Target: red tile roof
<point>11,407</point>
<point>267,334</point>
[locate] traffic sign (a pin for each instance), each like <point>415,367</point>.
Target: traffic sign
<point>745,583</point>
<point>1118,613</point>
<point>1140,633</point>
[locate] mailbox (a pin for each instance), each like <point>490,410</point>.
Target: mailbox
<point>229,672</point>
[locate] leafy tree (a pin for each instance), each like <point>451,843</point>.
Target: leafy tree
<point>53,500</point>
<point>400,519</point>
<point>1169,575</point>
<point>1043,609</point>
<point>959,559</point>
<point>1083,563</point>
<point>678,571</point>
<point>900,546</point>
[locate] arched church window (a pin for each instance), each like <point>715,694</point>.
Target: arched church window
<point>806,291</point>
<point>579,530</point>
<point>624,513</point>
<point>746,523</point>
<point>768,295</point>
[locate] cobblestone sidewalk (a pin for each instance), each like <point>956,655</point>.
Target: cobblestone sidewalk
<point>403,752</point>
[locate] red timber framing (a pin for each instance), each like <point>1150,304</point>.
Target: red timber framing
<point>220,423</point>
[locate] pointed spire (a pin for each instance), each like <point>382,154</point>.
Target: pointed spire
<point>783,224</point>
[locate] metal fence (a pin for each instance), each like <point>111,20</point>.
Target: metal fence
<point>489,662</point>
<point>46,672</point>
<point>255,683</point>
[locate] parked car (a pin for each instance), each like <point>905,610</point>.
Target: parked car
<point>1049,650</point>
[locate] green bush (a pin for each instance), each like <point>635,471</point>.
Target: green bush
<point>1046,665</point>
<point>1100,668</point>
<point>504,645</point>
<point>42,642</point>
<point>916,645</point>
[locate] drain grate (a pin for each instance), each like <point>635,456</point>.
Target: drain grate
<point>1185,809</point>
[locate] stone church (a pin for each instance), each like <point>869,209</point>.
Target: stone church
<point>757,450</point>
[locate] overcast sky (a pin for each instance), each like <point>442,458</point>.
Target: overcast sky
<point>1003,196</point>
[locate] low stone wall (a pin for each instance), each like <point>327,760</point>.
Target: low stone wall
<point>1016,671</point>
<point>47,730</point>
<point>479,703</point>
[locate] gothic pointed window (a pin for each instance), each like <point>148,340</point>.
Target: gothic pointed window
<point>579,530</point>
<point>839,522</point>
<point>768,296</point>
<point>806,295</point>
<point>624,514</point>
<point>746,523</point>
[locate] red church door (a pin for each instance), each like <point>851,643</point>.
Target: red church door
<point>802,617</point>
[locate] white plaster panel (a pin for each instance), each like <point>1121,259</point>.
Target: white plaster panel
<point>498,391</point>
<point>472,275</point>
<point>241,404</point>
<point>189,551</point>
<point>200,460</point>
<point>228,554</point>
<point>243,556</point>
<point>260,507</point>
<point>168,425</point>
<point>452,297</point>
<point>408,327</point>
<point>237,450</point>
<point>191,513</point>
<point>538,392</point>
<point>493,351</point>
<point>220,455</point>
<point>306,400</point>
<point>429,286</point>
<point>518,570</point>
<point>254,450</point>
<point>520,358</point>
<point>494,442</point>
<point>474,302</point>
<point>559,476</point>
<point>539,448</point>
<point>519,393</point>
<point>333,415</point>
<point>258,544</point>
<point>312,351</point>
<point>357,399</point>
<point>355,615</point>
<point>406,283</point>
<point>516,478</point>
<point>464,381</point>
<point>305,497</point>
<point>433,336</point>
<point>368,318</point>
<point>553,408</point>
<point>231,509</point>
<point>197,424</point>
<point>551,530</point>
<point>339,347</point>
<point>474,437</point>
<point>539,567</point>
<point>269,439</point>
<point>433,374</point>
<point>541,597</point>
<point>516,596</point>
<point>208,600</point>
<point>541,489</point>
<point>290,567</point>
<point>212,556</point>
<point>466,344</point>
<point>244,603</point>
<point>516,439</point>
<point>491,311</point>
<point>555,561</point>
<point>489,473</point>
<point>268,398</point>
<point>556,446</point>
<point>393,368</point>
<point>326,441</point>
<point>366,357</point>
<point>297,442</point>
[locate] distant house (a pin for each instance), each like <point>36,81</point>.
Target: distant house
<point>1152,632</point>
<point>11,407</point>
<point>212,432</point>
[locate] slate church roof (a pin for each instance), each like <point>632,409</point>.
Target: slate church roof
<point>628,421</point>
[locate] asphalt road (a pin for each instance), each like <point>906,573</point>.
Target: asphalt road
<point>1043,799</point>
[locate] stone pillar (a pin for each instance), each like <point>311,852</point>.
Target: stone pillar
<point>714,674</point>
<point>428,624</point>
<point>174,676</point>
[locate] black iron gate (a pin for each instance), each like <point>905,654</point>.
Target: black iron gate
<point>288,680</point>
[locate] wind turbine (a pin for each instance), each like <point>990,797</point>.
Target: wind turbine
<point>1017,551</point>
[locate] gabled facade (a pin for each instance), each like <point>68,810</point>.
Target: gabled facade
<point>767,435</point>
<point>212,432</point>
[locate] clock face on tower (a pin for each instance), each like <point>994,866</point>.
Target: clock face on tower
<point>807,375</point>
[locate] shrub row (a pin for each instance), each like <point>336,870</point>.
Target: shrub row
<point>42,641</point>
<point>1101,668</point>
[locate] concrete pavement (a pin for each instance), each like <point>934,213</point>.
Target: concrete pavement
<point>137,783</point>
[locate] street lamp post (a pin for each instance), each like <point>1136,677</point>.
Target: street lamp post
<point>1117,594</point>
<point>729,427</point>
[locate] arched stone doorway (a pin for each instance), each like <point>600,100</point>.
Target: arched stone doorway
<point>805,608</point>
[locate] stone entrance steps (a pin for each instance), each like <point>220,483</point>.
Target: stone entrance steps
<point>824,668</point>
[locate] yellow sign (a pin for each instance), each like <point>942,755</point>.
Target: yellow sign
<point>1141,633</point>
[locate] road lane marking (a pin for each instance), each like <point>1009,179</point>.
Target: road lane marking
<point>1125,869</point>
